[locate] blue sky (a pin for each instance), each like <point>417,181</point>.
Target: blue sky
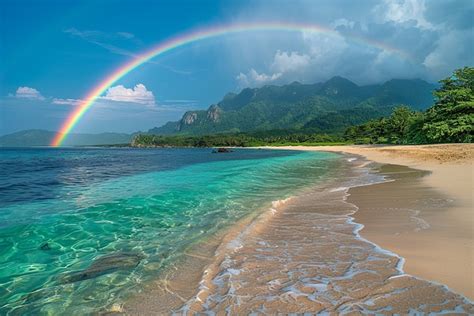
<point>53,52</point>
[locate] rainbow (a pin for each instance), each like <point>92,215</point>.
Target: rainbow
<point>194,36</point>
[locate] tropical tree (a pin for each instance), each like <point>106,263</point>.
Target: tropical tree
<point>451,119</point>
<point>399,123</point>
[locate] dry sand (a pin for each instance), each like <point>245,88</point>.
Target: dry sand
<point>430,220</point>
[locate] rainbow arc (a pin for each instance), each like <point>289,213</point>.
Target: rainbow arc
<point>194,36</point>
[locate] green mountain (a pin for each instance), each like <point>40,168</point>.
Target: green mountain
<point>327,107</point>
<point>38,137</point>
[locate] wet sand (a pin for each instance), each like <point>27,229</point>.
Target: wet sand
<point>407,216</point>
<point>180,282</point>
<point>441,247</point>
<point>306,255</point>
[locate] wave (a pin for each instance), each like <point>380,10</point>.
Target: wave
<point>265,268</point>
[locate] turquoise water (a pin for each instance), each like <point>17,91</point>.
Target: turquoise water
<point>81,229</point>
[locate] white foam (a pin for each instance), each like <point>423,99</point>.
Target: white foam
<point>401,260</point>
<point>290,293</point>
<point>420,223</point>
<point>279,203</point>
<point>276,204</point>
<point>339,189</point>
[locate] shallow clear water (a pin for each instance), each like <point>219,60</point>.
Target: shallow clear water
<point>81,228</point>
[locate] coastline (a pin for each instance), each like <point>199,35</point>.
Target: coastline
<point>443,250</point>
<point>178,283</point>
<point>237,271</point>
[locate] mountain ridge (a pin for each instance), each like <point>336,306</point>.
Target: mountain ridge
<point>299,106</point>
<point>326,107</point>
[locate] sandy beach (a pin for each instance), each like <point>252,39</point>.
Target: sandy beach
<point>433,224</point>
<point>367,249</point>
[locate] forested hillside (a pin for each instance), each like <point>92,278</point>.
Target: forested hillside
<point>450,119</point>
<point>328,107</point>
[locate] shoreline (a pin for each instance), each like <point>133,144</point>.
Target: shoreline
<point>309,256</point>
<point>217,276</point>
<point>444,251</point>
<point>184,280</point>
<point>172,292</point>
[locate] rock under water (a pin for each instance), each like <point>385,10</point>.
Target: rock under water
<point>222,150</point>
<point>104,265</point>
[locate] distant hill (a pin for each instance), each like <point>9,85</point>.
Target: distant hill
<point>38,137</point>
<point>326,107</point>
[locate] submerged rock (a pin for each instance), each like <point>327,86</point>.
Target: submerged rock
<point>222,150</point>
<point>104,265</point>
<point>45,246</point>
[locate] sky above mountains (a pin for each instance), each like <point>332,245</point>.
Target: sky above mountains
<point>52,53</point>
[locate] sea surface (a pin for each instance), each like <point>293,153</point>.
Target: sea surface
<point>83,228</point>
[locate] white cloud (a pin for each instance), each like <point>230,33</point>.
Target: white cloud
<point>373,40</point>
<point>320,55</point>
<point>138,94</point>
<point>253,78</point>
<point>67,101</point>
<point>284,62</point>
<point>342,22</point>
<point>28,93</point>
<point>323,46</point>
<point>401,11</point>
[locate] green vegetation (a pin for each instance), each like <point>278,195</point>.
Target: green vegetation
<point>449,120</point>
<point>273,138</point>
<point>334,112</point>
<point>398,128</point>
<point>325,108</point>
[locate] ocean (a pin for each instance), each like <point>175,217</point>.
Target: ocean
<point>82,228</point>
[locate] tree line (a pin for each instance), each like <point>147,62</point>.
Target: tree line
<point>449,120</point>
<point>273,138</point>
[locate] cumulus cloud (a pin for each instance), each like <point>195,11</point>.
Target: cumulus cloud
<point>321,52</point>
<point>138,94</point>
<point>253,78</point>
<point>401,11</point>
<point>372,41</point>
<point>28,93</point>
<point>283,63</point>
